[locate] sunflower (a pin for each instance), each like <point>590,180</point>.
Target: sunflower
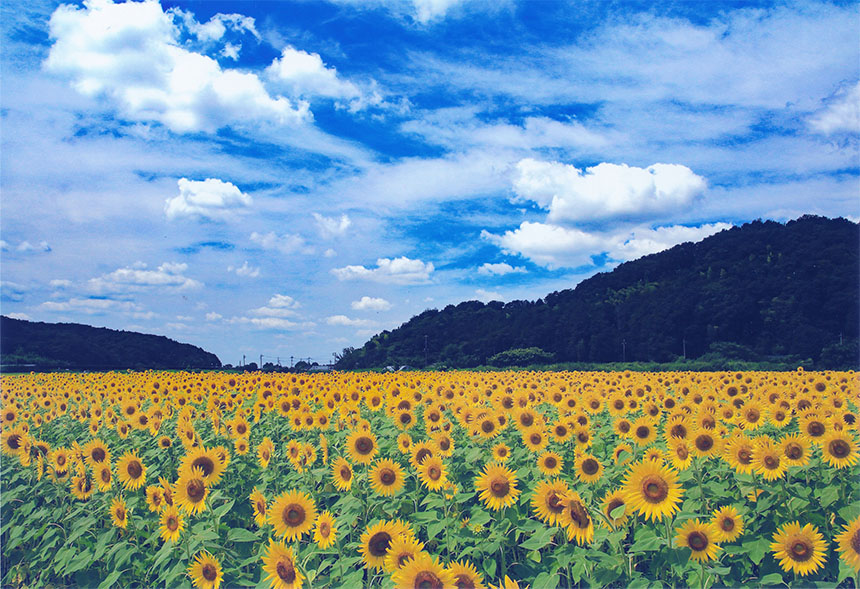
<point>548,500</point>
<point>119,513</point>
<point>423,571</point>
<point>652,489</point>
<point>155,498</point>
<point>535,438</point>
<point>728,524</point>
<point>561,431</point>
<point>433,473</point>
<point>420,451</point>
<point>103,476</point>
<point>404,442</point>
<point>643,431</point>
<point>706,443</point>
<point>165,442</point>
<point>258,504</point>
<point>849,544</point>
<point>59,457</point>
<point>801,550</point>
<point>582,437</point>
<point>700,538</point>
<point>795,450</point>
<point>325,532</point>
<point>444,443</point>
<point>82,487</point>
<point>191,492</point>
<point>768,463</point>
<point>265,450</point>
<point>752,416</point>
<point>292,514</point>
<point>738,452</point>
<point>401,550</point>
<point>679,453</point>
<point>386,477</point>
<point>575,518</point>
<point>96,452</point>
<point>487,427</point>
<point>618,453</point>
<point>497,486</point>
<point>205,459</point>
<point>172,524</point>
<point>375,543</point>
<point>588,468</point>
<point>501,452</point>
<point>466,575</point>
<point>241,446</point>
<point>612,500</point>
<point>131,471</point>
<point>341,473</point>
<point>813,427</point>
<point>839,449</point>
<point>205,571</point>
<point>279,562</point>
<point>361,446</point>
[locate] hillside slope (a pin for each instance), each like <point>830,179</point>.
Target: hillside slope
<point>764,290</point>
<point>76,346</point>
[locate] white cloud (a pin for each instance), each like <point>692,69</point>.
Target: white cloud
<point>90,306</point>
<point>558,247</point>
<point>605,190</point>
<point>303,74</point>
<point>286,244</point>
<point>168,277</point>
<point>269,323</point>
<point>330,253</point>
<point>60,283</point>
<point>209,199</point>
<point>343,320</point>
<point>284,302</point>
<point>217,26</point>
<point>278,306</point>
<point>487,295</point>
<point>131,53</point>
<point>330,227</point>
<point>367,303</point>
<point>231,51</point>
<point>25,247</point>
<point>501,269</point>
<point>23,316</point>
<point>841,113</point>
<point>213,316</point>
<point>245,270</point>
<point>397,271</point>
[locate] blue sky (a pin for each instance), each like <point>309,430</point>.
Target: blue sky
<point>289,178</point>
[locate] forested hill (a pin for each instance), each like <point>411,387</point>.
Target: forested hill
<point>764,291</point>
<point>75,346</point>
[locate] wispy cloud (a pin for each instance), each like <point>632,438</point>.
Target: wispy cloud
<point>391,271</point>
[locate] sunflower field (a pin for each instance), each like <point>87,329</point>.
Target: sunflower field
<point>430,480</point>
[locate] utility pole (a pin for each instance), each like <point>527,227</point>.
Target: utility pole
<point>291,361</point>
<point>243,360</point>
<point>261,361</point>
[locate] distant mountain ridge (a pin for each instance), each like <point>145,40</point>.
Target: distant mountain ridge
<point>77,346</point>
<point>760,291</point>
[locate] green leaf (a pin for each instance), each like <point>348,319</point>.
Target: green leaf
<point>545,580</point>
<point>771,579</point>
<point>757,549</point>
<point>618,511</point>
<point>490,567</point>
<point>647,541</point>
<point>241,535</point>
<point>828,495</point>
<point>479,517</point>
<point>110,580</point>
<point>220,511</point>
<point>540,539</point>
<point>434,529</point>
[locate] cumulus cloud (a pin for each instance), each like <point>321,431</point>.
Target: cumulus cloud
<point>131,53</point>
<point>209,199</point>
<point>500,269</point>
<point>25,247</point>
<point>487,295</point>
<point>91,306</point>
<point>284,302</point>
<point>217,26</point>
<point>269,323</point>
<point>278,306</point>
<point>344,321</point>
<point>555,247</point>
<point>168,276</point>
<point>397,271</point>
<point>286,244</point>
<point>245,270</point>
<point>213,316</point>
<point>605,190</point>
<point>60,283</point>
<point>841,113</point>
<point>367,303</point>
<point>303,74</point>
<point>330,227</point>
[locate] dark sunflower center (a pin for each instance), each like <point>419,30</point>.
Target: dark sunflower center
<point>325,529</point>
<point>405,418</point>
<point>387,476</point>
<point>487,426</point>
<point>801,550</point>
<point>815,429</point>
<point>553,502</point>
<point>753,415</point>
<point>444,444</point>
<point>379,543</point>
<point>10,416</point>
<point>697,541</point>
<point>613,505</point>
<point>618,404</point>
<point>794,451</point>
<point>241,429</point>
<point>434,473</point>
<point>61,460</point>
<point>744,456</point>
<point>261,507</point>
<point>134,469</point>
<point>294,515</point>
<point>704,442</point>
<point>582,437</point>
<point>205,464</point>
<point>210,573</point>
<point>500,487</point>
<point>535,439</point>
<point>464,582</point>
<point>422,454</point>
<point>427,580</point>
<point>855,542</point>
<point>579,515</point>
<point>105,475</point>
<point>345,473</point>
<point>728,524</point>
<point>560,431</point>
<point>681,452</point>
<point>550,462</point>
<point>364,445</point>
<point>624,427</point>
<point>527,419</point>
<point>771,462</point>
<point>678,431</point>
<point>655,489</point>
<point>590,466</point>
<point>502,451</point>
<point>172,523</point>
<point>196,490</point>
<point>643,431</point>
<point>839,448</point>
<point>120,513</point>
<point>14,442</point>
<point>98,455</point>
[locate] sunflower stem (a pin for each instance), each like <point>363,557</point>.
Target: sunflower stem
<point>702,576</point>
<point>701,485</point>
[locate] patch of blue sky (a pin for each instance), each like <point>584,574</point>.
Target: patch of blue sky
<point>204,245</point>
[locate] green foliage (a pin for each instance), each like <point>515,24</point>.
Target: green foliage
<point>520,357</point>
<point>766,293</point>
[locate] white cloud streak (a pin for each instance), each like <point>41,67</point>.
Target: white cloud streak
<point>401,271</point>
